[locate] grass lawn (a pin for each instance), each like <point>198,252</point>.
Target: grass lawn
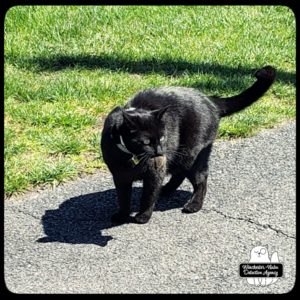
<point>66,67</point>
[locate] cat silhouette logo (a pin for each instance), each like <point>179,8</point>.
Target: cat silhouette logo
<point>261,269</point>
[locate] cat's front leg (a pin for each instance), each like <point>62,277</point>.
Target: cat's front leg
<point>151,189</point>
<point>123,189</point>
<point>152,183</point>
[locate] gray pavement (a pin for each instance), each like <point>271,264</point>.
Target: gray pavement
<point>61,240</point>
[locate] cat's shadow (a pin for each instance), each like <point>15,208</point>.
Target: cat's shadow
<point>80,220</point>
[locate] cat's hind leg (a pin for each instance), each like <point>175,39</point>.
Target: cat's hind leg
<point>175,181</point>
<point>197,175</point>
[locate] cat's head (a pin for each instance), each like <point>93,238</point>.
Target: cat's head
<point>143,131</point>
<point>259,253</point>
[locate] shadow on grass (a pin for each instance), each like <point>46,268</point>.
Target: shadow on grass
<point>79,220</point>
<point>168,67</point>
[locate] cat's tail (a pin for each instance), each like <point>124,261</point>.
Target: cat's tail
<point>227,106</point>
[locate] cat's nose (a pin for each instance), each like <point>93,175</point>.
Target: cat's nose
<point>159,151</point>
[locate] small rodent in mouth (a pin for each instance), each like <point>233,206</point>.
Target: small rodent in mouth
<point>159,162</point>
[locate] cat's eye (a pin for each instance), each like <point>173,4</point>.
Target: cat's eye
<point>162,139</point>
<point>146,141</point>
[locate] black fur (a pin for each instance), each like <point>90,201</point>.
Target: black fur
<point>180,123</point>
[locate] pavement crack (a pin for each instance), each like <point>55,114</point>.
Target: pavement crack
<point>249,220</point>
<point>25,213</point>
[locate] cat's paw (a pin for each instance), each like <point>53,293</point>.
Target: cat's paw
<point>141,218</point>
<point>266,73</point>
<point>119,218</point>
<point>191,207</point>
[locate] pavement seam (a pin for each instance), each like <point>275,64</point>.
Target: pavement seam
<point>249,220</point>
<point>15,210</point>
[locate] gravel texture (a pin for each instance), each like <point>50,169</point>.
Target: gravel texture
<point>61,240</point>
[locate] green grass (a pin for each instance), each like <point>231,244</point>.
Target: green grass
<point>66,67</point>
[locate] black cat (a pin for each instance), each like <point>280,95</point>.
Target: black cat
<point>177,123</point>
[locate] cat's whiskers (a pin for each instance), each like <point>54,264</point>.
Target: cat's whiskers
<point>178,157</point>
<point>178,154</point>
<point>143,158</point>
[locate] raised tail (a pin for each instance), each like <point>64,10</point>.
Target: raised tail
<point>227,106</point>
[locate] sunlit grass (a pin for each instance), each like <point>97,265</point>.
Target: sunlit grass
<point>66,67</point>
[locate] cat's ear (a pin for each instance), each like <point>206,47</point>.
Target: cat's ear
<point>128,119</point>
<point>158,113</point>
